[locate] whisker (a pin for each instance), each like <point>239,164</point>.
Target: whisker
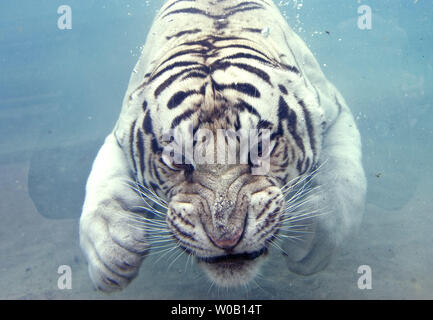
<point>305,216</point>
<point>177,257</point>
<point>148,195</point>
<point>212,283</point>
<point>303,192</point>
<point>145,221</point>
<point>290,185</point>
<point>292,238</point>
<point>151,210</point>
<point>187,262</point>
<point>293,231</point>
<point>161,232</point>
<point>166,251</point>
<point>159,249</point>
<point>173,253</point>
<point>159,200</point>
<point>259,275</point>
<point>162,240</point>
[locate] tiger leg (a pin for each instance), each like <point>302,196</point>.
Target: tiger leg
<point>113,245</point>
<point>342,188</point>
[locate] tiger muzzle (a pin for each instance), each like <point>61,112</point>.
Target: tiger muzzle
<point>228,221</point>
<point>225,222</point>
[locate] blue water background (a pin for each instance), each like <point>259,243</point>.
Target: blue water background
<point>64,88</point>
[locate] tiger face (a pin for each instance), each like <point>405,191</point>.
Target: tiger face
<point>227,215</point>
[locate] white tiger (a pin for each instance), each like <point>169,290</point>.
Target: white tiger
<point>216,64</point>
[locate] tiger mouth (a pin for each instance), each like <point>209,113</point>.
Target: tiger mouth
<point>234,258</point>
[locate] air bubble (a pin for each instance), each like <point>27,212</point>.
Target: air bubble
<point>266,31</point>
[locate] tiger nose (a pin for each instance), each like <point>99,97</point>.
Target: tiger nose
<point>227,241</point>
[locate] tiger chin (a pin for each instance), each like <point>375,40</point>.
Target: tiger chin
<point>236,66</point>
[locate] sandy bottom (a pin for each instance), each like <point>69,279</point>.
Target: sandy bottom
<point>397,245</point>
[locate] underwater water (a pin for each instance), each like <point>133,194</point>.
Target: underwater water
<point>61,92</point>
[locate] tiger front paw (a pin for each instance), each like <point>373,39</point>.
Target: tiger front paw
<point>114,249</point>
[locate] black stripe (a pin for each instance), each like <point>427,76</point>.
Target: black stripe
<point>243,55</point>
<point>195,75</point>
<point>179,97</point>
<point>223,65</point>
<point>181,117</point>
<point>277,144</point>
<point>148,129</point>
<point>286,176</point>
<point>243,46</point>
<point>264,124</point>
<point>242,4</point>
<point>268,227</point>
<point>191,11</point>
<point>156,149</point>
<point>215,17</point>
<point>219,65</point>
<point>254,30</point>
<point>174,77</point>
<point>203,89</point>
<point>147,123</point>
<point>242,105</point>
<point>149,160</point>
<point>185,52</point>
<point>184,220</point>
<point>140,146</point>
<point>204,43</point>
<point>172,66</point>
<point>180,231</point>
<point>131,145</point>
<point>245,88</point>
<point>185,244</point>
<point>267,205</point>
<point>156,174</point>
<point>144,105</point>
<point>309,124</point>
<point>284,113</point>
<point>273,213</point>
<point>254,7</point>
<point>219,38</point>
<point>237,123</point>
<point>282,166</point>
<point>299,166</point>
<point>282,89</point>
<point>290,68</point>
<point>264,2</point>
<point>258,72</point>
<point>307,164</point>
<point>175,2</point>
<point>181,33</point>
<point>154,186</point>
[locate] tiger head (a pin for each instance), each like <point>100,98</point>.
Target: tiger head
<point>227,214</point>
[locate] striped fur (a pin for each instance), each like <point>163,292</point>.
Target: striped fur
<point>223,65</point>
